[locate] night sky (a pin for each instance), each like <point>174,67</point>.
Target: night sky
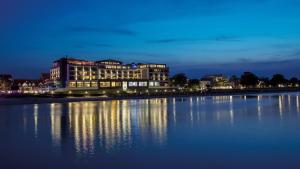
<point>193,36</point>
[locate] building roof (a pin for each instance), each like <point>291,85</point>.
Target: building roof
<point>109,60</point>
<point>35,81</point>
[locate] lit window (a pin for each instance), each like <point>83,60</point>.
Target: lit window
<point>72,84</point>
<point>94,84</point>
<point>79,84</point>
<point>131,84</point>
<point>87,84</point>
<point>143,84</point>
<point>104,84</point>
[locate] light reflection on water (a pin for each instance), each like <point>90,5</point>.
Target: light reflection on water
<point>111,122</point>
<point>114,126</point>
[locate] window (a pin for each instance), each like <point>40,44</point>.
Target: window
<point>87,84</point>
<point>118,84</point>
<point>132,84</point>
<point>79,84</point>
<point>72,84</point>
<point>143,84</point>
<point>94,84</point>
<point>104,84</point>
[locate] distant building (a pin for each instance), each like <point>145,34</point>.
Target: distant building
<point>75,74</point>
<point>235,82</point>
<point>45,77</point>
<point>5,82</point>
<point>205,84</point>
<point>215,82</point>
<point>28,86</point>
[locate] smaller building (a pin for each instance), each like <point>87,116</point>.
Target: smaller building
<point>28,86</point>
<point>218,81</point>
<point>45,77</point>
<point>6,82</point>
<point>205,84</point>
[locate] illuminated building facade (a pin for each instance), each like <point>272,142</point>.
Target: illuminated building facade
<point>215,82</point>
<point>73,73</point>
<point>28,86</point>
<point>5,82</point>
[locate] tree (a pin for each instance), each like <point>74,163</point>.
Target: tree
<point>278,79</point>
<point>179,80</point>
<point>235,81</point>
<point>249,79</point>
<point>193,83</point>
<point>264,82</point>
<point>294,81</point>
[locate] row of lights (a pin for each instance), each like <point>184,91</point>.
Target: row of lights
<point>103,92</point>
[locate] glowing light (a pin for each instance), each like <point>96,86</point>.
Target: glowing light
<point>36,109</point>
<point>280,104</point>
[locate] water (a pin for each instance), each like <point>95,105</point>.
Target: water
<point>254,131</point>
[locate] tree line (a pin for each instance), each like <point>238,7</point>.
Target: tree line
<point>247,79</point>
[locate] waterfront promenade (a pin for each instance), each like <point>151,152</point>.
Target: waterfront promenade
<point>65,98</point>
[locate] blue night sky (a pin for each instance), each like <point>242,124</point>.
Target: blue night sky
<point>193,36</point>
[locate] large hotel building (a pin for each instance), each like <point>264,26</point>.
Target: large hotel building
<point>74,74</point>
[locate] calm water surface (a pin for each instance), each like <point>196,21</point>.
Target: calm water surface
<point>253,131</point>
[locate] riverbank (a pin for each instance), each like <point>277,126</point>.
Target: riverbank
<point>38,99</point>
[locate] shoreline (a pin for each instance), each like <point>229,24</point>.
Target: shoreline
<point>67,99</point>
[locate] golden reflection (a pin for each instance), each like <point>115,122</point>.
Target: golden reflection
<point>109,124</point>
<point>191,111</point>
<point>289,102</point>
<point>35,117</point>
<point>154,118</point>
<point>297,104</point>
<point>82,121</point>
<point>231,109</point>
<point>222,99</point>
<point>280,105</point>
<point>174,110</point>
<point>55,116</point>
<point>259,97</point>
<point>198,111</point>
<point>117,124</point>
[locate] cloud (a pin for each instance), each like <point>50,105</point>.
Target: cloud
<point>180,40</point>
<point>227,39</point>
<point>86,45</point>
<point>170,40</point>
<point>118,31</point>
